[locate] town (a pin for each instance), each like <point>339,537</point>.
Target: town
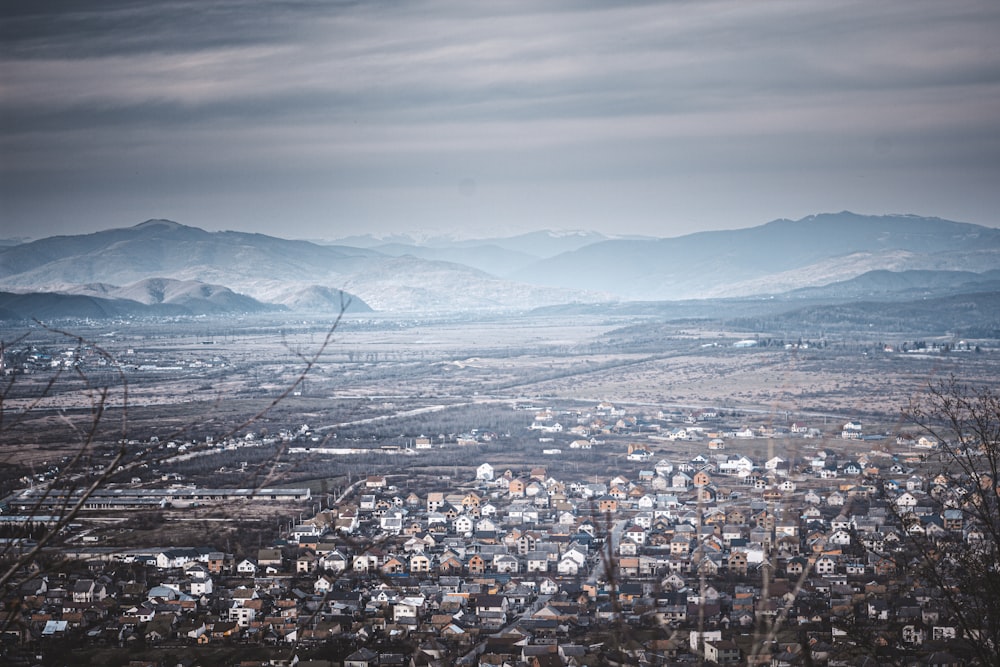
<point>670,538</point>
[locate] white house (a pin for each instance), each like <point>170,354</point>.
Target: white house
<point>323,585</point>
<point>200,587</point>
<point>246,566</point>
<point>463,524</point>
<point>773,463</point>
<point>335,561</point>
<point>568,567</point>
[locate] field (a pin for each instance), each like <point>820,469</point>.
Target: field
<point>375,385</point>
<point>188,376</point>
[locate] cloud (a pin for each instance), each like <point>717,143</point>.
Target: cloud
<point>389,98</point>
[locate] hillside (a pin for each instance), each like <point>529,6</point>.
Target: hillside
<point>775,257</point>
<point>972,315</point>
<point>270,269</point>
<point>101,302</point>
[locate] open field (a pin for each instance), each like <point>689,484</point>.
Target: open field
<point>381,382</point>
<point>225,370</point>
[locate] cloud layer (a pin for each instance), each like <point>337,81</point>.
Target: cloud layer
<point>319,119</point>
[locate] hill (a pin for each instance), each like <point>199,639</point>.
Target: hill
<point>270,269</point>
<point>771,258</point>
<point>895,285</point>
<point>150,298</point>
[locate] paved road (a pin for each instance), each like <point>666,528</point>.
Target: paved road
<point>600,567</point>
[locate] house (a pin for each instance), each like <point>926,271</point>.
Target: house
<point>476,565</point>
<point>463,524</point>
<point>489,603</point>
<point>246,567</point>
<point>366,562</point>
<point>435,501</point>
<point>852,469</point>
<point>269,557</point>
<point>219,562</point>
<point>88,590</point>
<point>851,431</point>
<point>839,538</point>
<point>568,567</point>
<point>407,610</point>
<point>323,585</point>
<point>737,562</point>
<point>420,564</point>
<point>199,587</point>
<point>627,548</point>
<point>244,613</point>
<point>484,473</point>
<point>363,657</point>
<point>179,557</point>
<point>347,520</point>
<point>736,465</point>
<point>393,566</point>
<point>722,652</point>
<point>306,562</point>
<point>537,562</point>
<point>334,561</point>
<point>639,452</point>
<point>774,463</point>
<point>663,468</point>
<point>375,482</point>
<point>680,545</point>
<point>636,533</point>
<point>607,505</point>
<point>905,501</point>
<point>506,564</point>
<point>701,478</point>
<point>825,564</point>
<point>953,520</point>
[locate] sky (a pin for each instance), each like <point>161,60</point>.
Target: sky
<point>326,119</point>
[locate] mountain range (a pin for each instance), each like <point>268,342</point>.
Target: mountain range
<point>167,266</point>
<point>772,258</point>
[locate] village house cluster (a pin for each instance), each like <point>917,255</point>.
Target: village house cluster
<point>675,560</point>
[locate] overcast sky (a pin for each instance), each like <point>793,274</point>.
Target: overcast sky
<point>324,119</point>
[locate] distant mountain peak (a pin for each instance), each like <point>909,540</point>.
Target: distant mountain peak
<point>885,216</point>
<point>159,224</point>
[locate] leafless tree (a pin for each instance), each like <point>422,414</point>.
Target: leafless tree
<point>78,478</point>
<point>961,563</point>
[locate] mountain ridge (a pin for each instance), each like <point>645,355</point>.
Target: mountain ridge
<point>773,258</point>
<point>265,267</point>
<point>711,263</point>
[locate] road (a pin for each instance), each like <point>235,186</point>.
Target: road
<point>600,567</point>
<point>395,415</point>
